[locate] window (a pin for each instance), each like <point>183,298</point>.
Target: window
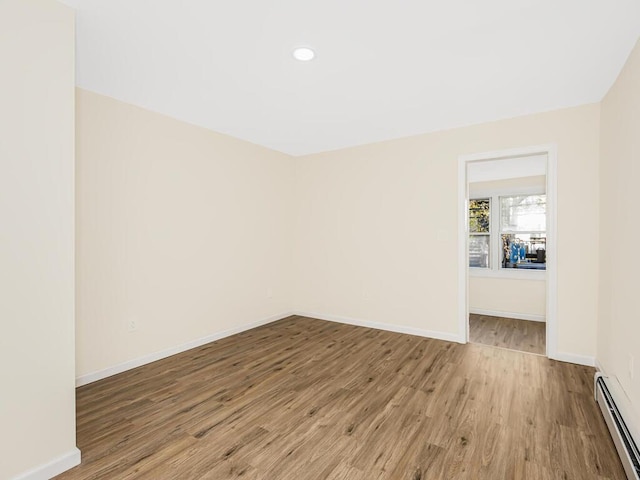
<point>523,224</point>
<point>516,236</point>
<point>479,232</point>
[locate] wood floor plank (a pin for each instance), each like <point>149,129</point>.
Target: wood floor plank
<point>314,400</point>
<point>521,335</point>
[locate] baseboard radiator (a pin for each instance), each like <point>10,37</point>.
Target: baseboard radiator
<point>626,446</point>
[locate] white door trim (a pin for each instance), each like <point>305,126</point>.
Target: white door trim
<point>550,151</point>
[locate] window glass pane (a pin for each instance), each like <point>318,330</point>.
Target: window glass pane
<point>524,250</point>
<point>479,251</point>
<point>523,213</point>
<point>479,215</point>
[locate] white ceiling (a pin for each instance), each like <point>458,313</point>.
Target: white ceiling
<point>384,69</point>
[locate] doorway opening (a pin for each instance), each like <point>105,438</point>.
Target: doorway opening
<point>507,245</point>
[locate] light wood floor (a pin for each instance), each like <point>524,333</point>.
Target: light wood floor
<point>521,335</point>
<point>306,399</point>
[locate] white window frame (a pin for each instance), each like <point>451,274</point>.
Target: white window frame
<point>495,269</point>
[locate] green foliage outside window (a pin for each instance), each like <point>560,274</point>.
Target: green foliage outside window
<point>479,216</point>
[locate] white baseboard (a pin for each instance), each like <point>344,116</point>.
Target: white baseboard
<point>450,337</point>
<point>152,357</point>
<point>573,358</point>
<point>52,468</point>
<point>519,316</point>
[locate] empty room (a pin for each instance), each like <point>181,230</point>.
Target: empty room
<point>319,240</point>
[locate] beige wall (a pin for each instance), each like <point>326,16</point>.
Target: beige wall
<point>186,231</point>
<point>37,397</point>
<point>509,297</point>
<point>619,322</point>
<point>376,235</point>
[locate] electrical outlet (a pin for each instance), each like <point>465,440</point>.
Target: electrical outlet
<point>132,325</point>
<point>631,361</point>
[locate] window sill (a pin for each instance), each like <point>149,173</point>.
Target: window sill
<point>511,273</point>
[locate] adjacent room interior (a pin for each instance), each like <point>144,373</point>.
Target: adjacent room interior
<point>319,240</point>
<point>507,252</point>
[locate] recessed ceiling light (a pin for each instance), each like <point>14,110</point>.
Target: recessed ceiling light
<point>304,54</point>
